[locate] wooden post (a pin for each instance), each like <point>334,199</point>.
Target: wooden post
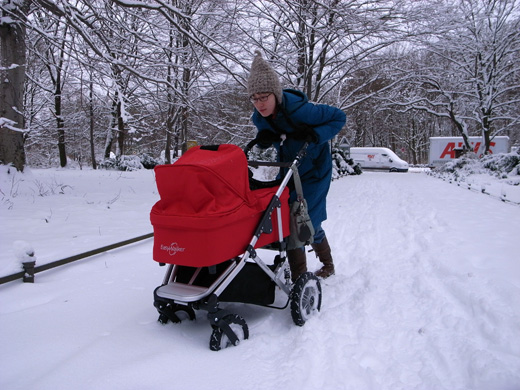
<point>28,267</point>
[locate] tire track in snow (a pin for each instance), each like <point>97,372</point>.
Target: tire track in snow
<point>398,288</point>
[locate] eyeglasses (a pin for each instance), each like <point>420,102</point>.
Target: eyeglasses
<point>260,99</point>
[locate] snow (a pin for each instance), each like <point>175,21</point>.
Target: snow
<point>23,251</point>
<point>426,293</point>
<point>8,123</point>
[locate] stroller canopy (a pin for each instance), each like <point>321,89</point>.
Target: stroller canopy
<point>204,182</point>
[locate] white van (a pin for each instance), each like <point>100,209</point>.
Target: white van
<point>378,158</point>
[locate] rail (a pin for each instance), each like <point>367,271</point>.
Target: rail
<point>67,260</point>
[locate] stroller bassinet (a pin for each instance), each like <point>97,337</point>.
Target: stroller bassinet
<point>207,213</point>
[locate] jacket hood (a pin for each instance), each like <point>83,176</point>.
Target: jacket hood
<point>293,99</point>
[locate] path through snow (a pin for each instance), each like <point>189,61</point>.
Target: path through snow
<point>426,296</point>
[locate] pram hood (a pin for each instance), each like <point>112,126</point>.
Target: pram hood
<point>207,213</point>
<point>204,182</point>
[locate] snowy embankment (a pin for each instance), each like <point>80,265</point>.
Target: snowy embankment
<point>496,175</point>
<point>426,296</point>
<point>64,212</point>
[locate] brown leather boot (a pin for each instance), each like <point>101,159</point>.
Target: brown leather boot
<point>322,251</point>
<point>297,262</point>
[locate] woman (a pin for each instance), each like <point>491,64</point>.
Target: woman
<point>287,119</point>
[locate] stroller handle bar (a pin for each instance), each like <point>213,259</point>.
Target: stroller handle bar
<point>292,172</point>
<point>292,168</point>
<point>256,164</point>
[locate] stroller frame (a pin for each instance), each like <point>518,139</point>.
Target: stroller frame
<point>176,300</point>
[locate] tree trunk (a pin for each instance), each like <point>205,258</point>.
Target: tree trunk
<point>486,130</point>
<point>110,133</point>
<point>461,127</point>
<point>12,76</point>
<point>60,125</point>
<point>92,123</point>
<point>121,132</point>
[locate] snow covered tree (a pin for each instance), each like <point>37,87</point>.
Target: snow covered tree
<point>51,51</point>
<point>469,67</point>
<point>149,76</point>
<point>317,45</point>
<point>201,50</point>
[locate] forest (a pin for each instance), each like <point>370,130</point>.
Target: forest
<point>89,82</point>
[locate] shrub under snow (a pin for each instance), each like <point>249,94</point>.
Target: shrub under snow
<point>129,163</point>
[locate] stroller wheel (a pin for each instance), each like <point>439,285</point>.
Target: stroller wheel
<point>237,325</point>
<point>305,298</point>
<point>174,313</point>
<point>163,319</point>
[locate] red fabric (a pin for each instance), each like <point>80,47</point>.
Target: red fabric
<point>207,214</point>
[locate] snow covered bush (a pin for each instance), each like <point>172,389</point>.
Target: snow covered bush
<point>108,163</point>
<point>499,165</point>
<point>148,161</point>
<point>129,163</point>
<point>342,166</point>
<point>470,169</point>
<point>468,164</point>
<point>262,154</point>
<point>502,163</point>
<point>497,175</point>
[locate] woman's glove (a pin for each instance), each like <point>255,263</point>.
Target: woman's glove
<point>266,138</point>
<point>304,132</point>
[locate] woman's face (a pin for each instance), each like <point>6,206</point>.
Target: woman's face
<point>265,103</point>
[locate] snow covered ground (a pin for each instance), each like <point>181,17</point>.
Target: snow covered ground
<point>426,295</point>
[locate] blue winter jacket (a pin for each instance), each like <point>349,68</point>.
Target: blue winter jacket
<point>316,168</point>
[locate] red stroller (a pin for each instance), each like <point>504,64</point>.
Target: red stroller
<point>208,225</point>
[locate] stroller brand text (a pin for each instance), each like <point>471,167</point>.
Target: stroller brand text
<point>172,249</point>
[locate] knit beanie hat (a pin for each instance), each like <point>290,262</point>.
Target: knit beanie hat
<point>263,78</point>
